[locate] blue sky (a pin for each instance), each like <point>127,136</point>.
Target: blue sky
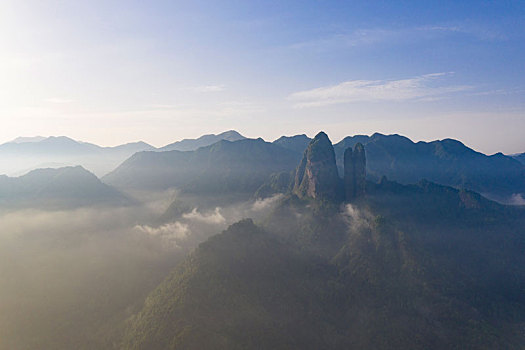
<point>117,71</point>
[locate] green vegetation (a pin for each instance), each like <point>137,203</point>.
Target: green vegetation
<point>222,168</point>
<point>408,267</point>
<point>277,183</point>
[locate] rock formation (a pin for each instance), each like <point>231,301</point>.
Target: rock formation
<point>359,169</point>
<point>355,172</point>
<point>316,176</point>
<point>348,177</point>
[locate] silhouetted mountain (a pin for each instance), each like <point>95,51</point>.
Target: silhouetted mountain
<point>17,158</point>
<point>297,143</point>
<point>53,145</point>
<point>448,162</point>
<point>406,267</point>
<point>130,148</point>
<point>224,167</point>
<point>203,141</point>
<point>57,189</point>
<point>27,139</point>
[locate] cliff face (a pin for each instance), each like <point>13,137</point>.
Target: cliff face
<point>348,177</point>
<point>316,176</point>
<point>355,172</point>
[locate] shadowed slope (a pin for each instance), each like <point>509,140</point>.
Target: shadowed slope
<point>224,167</point>
<point>448,162</point>
<point>422,266</point>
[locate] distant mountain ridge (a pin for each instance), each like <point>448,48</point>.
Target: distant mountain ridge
<point>203,141</point>
<point>224,167</point>
<point>297,143</point>
<point>64,144</point>
<point>62,188</point>
<point>448,162</point>
<point>23,139</point>
<point>24,154</point>
<point>16,158</point>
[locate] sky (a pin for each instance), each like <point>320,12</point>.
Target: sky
<point>111,72</point>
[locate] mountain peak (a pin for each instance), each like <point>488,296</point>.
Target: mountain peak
<point>202,141</point>
<point>316,176</point>
<point>59,139</point>
<point>229,134</point>
<point>321,135</point>
<point>31,139</point>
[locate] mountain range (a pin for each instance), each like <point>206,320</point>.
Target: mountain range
<point>420,266</point>
<point>203,141</point>
<point>235,164</point>
<point>224,167</point>
<point>24,154</point>
<point>448,162</point>
<point>338,255</point>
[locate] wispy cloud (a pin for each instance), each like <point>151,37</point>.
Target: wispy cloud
<point>175,230</point>
<point>209,88</point>
<point>371,36</point>
<point>517,199</point>
<point>480,32</point>
<point>509,91</point>
<point>262,204</point>
<point>211,218</point>
<point>416,88</point>
<point>355,38</point>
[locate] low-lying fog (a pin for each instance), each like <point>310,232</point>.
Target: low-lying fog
<point>68,277</point>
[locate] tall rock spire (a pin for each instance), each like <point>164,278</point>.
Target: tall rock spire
<point>360,169</point>
<point>348,177</point>
<point>355,172</point>
<point>316,176</point>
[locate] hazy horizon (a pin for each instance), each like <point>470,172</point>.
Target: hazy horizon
<point>310,135</point>
<point>112,73</point>
<point>122,227</point>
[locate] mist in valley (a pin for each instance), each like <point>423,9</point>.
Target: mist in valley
<point>239,175</point>
<point>71,278</point>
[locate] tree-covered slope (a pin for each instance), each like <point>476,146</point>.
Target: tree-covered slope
<point>224,167</point>
<point>242,289</point>
<point>407,267</point>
